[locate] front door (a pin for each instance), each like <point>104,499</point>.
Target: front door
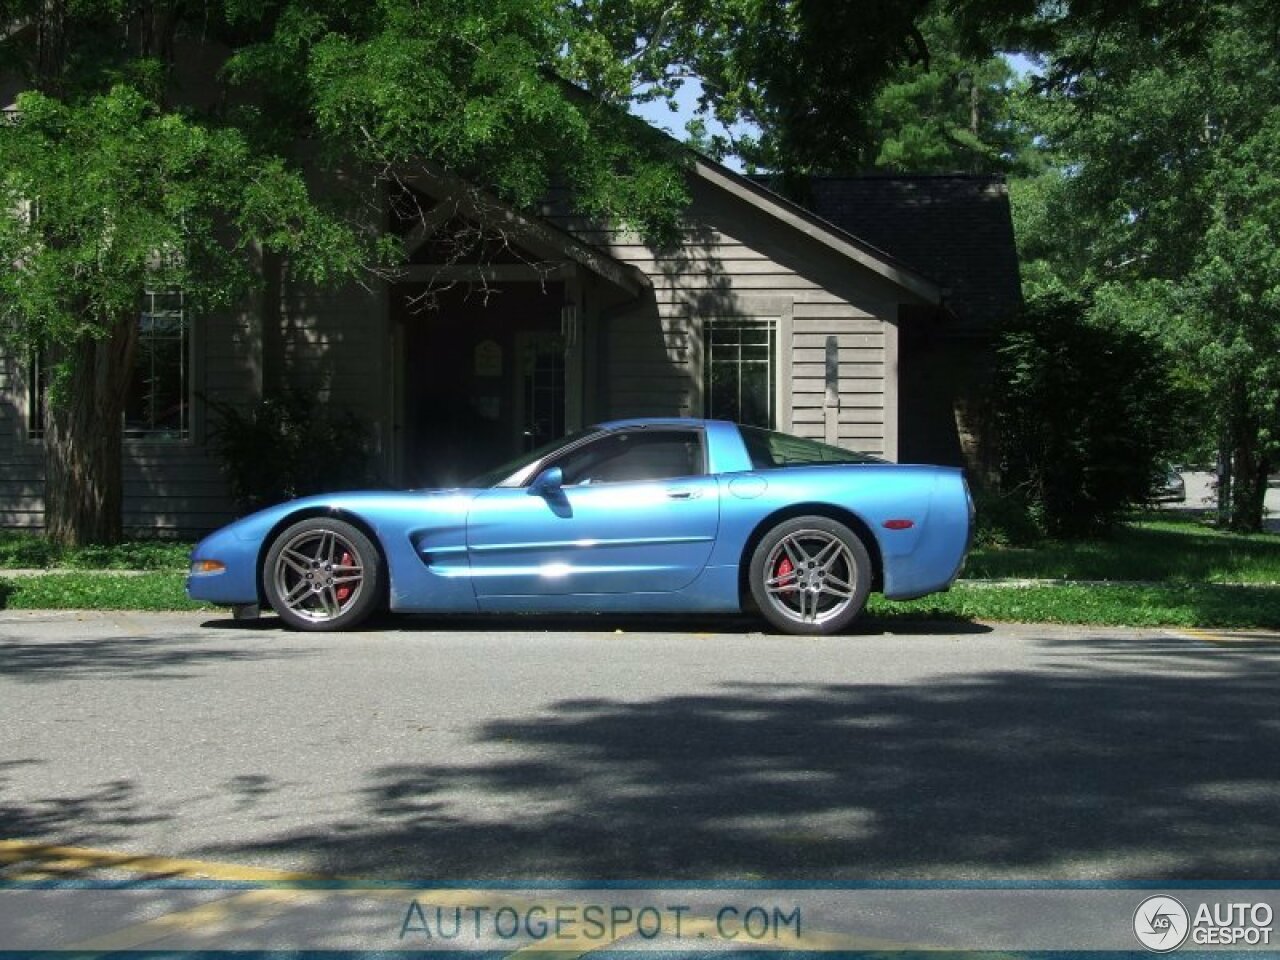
<point>636,513</point>
<point>479,373</point>
<point>539,388</point>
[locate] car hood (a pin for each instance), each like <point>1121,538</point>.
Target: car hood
<point>368,504</point>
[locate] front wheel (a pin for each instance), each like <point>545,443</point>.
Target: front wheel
<point>810,575</point>
<point>322,574</point>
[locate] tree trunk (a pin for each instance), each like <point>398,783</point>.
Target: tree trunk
<point>84,485</point>
<point>1243,463</point>
<point>1223,484</point>
<point>1249,487</point>
<point>51,46</point>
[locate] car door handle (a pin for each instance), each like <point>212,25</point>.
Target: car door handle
<point>682,494</point>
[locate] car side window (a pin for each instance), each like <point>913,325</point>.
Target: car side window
<point>634,456</point>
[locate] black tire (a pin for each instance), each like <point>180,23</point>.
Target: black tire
<point>322,574</point>
<point>810,575</point>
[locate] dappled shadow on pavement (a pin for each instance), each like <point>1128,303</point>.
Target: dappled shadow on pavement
<point>139,657</point>
<point>1080,768</point>
<point>1243,652</point>
<point>105,814</point>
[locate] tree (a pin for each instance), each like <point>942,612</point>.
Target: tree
<point>1086,411</point>
<point>801,72</point>
<point>1163,210</point>
<point>949,113</point>
<point>115,182</point>
<point>113,195</point>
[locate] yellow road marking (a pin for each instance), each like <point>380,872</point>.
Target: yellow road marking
<point>247,909</point>
<point>234,914</point>
<point>71,859</point>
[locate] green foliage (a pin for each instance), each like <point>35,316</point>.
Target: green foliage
<point>114,194</point>
<point>952,112</point>
<point>1004,519</point>
<point>32,551</point>
<point>476,89</point>
<point>1084,413</point>
<point>130,164</point>
<point>97,591</point>
<point>1164,207</point>
<point>290,446</point>
<point>803,86</point>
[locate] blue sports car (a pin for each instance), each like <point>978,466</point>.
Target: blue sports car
<point>638,516</point>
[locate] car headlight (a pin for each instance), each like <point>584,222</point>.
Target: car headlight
<point>205,567</point>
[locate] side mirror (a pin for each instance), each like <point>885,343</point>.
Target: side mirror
<point>548,481</point>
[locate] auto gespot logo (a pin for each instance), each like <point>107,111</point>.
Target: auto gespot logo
<point>1161,924</point>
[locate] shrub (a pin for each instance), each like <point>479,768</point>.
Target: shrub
<point>289,446</point>
<point>1005,519</point>
<point>1085,414</point>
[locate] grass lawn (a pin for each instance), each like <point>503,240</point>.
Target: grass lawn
<point>1161,548</point>
<point>153,590</point>
<point>1116,605</point>
<point>1187,573</point>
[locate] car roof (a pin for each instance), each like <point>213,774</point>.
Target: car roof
<point>655,422</point>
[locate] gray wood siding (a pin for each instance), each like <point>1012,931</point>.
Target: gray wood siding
<point>737,261</point>
<point>21,469</point>
<point>337,343</point>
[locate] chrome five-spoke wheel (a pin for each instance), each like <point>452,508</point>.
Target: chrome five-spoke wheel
<point>810,575</point>
<point>322,574</point>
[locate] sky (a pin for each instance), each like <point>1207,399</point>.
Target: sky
<point>661,116</point>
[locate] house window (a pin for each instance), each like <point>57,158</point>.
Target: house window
<point>157,406</point>
<point>36,392</point>
<point>741,370</point>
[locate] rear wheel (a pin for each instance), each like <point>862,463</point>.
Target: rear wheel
<point>810,575</point>
<point>322,574</point>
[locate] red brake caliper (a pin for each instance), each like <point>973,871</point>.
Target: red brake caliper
<point>343,591</point>
<point>784,568</point>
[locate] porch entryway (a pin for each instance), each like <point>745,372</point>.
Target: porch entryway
<point>483,376</point>
<point>490,331</point>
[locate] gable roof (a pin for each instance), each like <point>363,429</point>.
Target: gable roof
<point>823,229</point>
<point>468,201</point>
<point>954,228</point>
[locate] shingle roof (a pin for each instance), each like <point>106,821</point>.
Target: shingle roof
<point>953,228</point>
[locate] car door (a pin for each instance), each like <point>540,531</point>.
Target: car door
<point>634,512</point>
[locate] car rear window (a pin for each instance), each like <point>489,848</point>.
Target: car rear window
<point>769,450</point>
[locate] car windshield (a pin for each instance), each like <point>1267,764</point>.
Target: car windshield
<point>513,472</point>
<point>769,450</point>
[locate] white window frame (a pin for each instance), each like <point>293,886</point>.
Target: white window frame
<point>32,374</point>
<point>778,312</point>
<point>185,431</point>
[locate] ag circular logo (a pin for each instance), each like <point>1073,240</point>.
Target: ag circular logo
<point>1161,923</point>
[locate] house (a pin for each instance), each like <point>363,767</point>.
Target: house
<point>862,318</point>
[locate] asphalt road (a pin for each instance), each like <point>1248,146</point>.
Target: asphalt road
<point>465,750</point>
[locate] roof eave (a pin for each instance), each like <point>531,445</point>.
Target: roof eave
<point>818,229</point>
<point>625,276</point>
